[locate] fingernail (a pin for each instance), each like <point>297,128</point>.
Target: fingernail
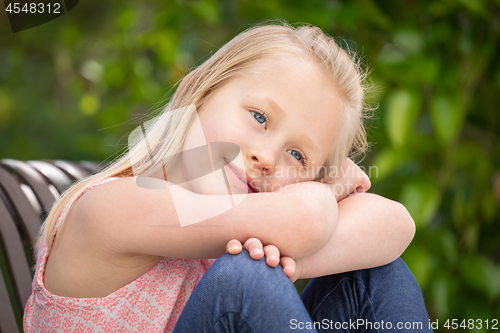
<point>272,257</point>
<point>256,252</point>
<point>233,249</point>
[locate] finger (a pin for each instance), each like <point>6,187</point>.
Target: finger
<point>254,247</point>
<point>272,255</point>
<point>288,265</point>
<point>234,246</point>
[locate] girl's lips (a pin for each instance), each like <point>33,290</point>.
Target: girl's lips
<point>236,179</point>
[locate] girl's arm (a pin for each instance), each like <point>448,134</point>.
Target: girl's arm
<point>130,220</point>
<point>371,231</point>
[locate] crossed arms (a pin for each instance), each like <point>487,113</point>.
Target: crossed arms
<point>370,231</point>
<point>324,233</point>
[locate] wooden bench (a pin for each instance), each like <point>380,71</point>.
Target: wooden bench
<point>27,192</point>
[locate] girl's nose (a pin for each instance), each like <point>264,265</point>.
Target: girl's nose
<point>262,160</point>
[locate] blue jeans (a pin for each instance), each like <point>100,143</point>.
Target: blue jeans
<point>239,294</point>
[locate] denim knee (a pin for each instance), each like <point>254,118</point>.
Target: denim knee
<point>393,276</point>
<point>241,272</point>
<point>389,283</point>
<point>394,272</point>
<point>243,267</point>
<point>240,294</point>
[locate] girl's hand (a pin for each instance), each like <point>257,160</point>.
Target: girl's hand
<point>257,251</point>
<point>351,180</point>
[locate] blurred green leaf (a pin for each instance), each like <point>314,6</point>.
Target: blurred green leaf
<point>6,107</point>
<point>70,35</point>
<point>92,70</point>
<point>425,69</point>
<point>450,247</point>
<point>143,67</point>
<point>391,54</point>
<point>491,273</point>
<point>481,274</point>
<point>403,107</point>
<point>477,6</point>
<point>384,164</point>
<point>410,41</point>
<point>208,10</point>
<point>489,206</point>
<point>166,46</point>
<point>420,262</point>
<point>89,104</point>
<point>421,198</point>
<point>127,18</point>
<point>151,91</point>
<point>447,116</point>
<point>114,74</point>
<point>440,288</point>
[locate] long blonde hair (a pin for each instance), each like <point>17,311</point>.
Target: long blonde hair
<point>261,41</point>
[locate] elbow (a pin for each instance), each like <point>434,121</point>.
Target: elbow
<point>395,234</point>
<point>408,225</point>
<point>405,227</point>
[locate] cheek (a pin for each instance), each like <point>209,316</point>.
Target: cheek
<point>227,131</point>
<point>291,175</point>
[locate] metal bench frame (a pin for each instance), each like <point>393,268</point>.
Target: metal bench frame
<point>27,192</point>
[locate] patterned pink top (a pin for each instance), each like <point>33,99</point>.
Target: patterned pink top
<point>151,303</point>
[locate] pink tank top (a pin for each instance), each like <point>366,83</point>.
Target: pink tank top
<point>151,303</point>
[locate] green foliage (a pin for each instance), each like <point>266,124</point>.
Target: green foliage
<point>72,88</point>
<point>403,107</point>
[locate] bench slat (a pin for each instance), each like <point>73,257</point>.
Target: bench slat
<point>35,180</point>
<point>72,169</point>
<point>15,257</point>
<point>28,218</point>
<point>53,174</point>
<point>7,318</point>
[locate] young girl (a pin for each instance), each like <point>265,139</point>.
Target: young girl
<point>116,254</point>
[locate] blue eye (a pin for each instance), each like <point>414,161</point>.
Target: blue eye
<point>298,156</point>
<point>261,118</point>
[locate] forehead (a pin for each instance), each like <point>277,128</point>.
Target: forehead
<point>301,99</point>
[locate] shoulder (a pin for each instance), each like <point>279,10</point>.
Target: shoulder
<point>124,193</point>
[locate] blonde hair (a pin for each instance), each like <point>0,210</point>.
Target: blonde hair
<point>166,132</point>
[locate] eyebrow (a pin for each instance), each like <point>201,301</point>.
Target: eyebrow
<point>312,145</point>
<point>274,105</point>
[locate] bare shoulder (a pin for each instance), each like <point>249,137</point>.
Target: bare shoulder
<point>94,235</point>
<point>123,197</point>
<point>125,191</point>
